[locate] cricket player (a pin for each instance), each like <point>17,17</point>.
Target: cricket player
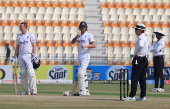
<point>139,64</point>
<point>85,42</point>
<point>26,47</point>
<point>158,60</point>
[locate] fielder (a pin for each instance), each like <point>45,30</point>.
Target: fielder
<point>26,47</point>
<point>85,42</point>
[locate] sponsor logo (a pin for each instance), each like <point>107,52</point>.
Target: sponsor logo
<point>96,76</point>
<point>113,73</point>
<point>25,42</point>
<point>58,72</point>
<point>89,75</point>
<point>81,41</point>
<point>2,74</point>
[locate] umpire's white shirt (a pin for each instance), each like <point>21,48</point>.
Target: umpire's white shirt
<point>25,42</point>
<point>157,46</point>
<point>142,44</point>
<point>85,39</point>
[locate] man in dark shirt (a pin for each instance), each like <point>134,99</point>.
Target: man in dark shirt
<point>8,52</point>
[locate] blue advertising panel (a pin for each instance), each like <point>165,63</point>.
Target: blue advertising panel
<point>150,73</point>
<point>103,72</point>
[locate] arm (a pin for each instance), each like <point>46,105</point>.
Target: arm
<point>34,48</point>
<point>141,43</point>
<point>149,47</point>
<point>158,49</point>
<point>16,51</point>
<point>74,40</point>
<point>92,45</point>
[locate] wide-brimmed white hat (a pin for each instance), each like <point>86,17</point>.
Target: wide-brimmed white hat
<point>159,32</point>
<point>140,26</point>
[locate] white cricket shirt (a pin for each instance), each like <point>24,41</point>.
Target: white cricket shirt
<point>142,46</point>
<point>85,39</point>
<point>157,46</point>
<point>25,42</point>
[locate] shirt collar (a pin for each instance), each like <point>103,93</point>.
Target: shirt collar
<point>84,33</point>
<point>25,33</point>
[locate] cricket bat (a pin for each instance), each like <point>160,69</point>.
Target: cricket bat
<point>15,80</point>
<point>74,86</point>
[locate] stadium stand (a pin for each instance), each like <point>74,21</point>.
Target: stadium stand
<point>55,23</point>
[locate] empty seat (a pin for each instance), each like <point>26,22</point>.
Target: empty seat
<point>64,17</point>
<point>5,16</point>
<point>56,17</point>
<point>66,10</point>
<point>112,11</point>
<point>41,37</point>
<point>116,37</point>
<point>136,11</point>
<point>41,10</point>
<point>49,10</point>
<point>64,4</point>
<point>49,29</point>
<point>120,11</point>
<point>32,29</point>
<point>2,10</point>
<point>72,17</point>
<point>25,10</point>
<point>5,23</point>
<point>107,30</point>
<point>65,30</point>
<point>57,29</point>
<point>30,16</point>
<point>34,10</point>
<point>105,11</point>
<point>40,4</point>
<point>32,4</point>
<point>39,23</point>
<point>56,4</point>
<point>47,16</point>
<point>8,4</point>
<point>15,29</point>
<point>41,29</point>
<point>116,30</point>
<point>9,10</point>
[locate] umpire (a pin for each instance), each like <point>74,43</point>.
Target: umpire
<point>158,60</point>
<point>139,64</point>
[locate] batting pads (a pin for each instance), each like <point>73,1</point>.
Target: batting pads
<point>81,74</point>
<point>24,79</point>
<point>32,80</point>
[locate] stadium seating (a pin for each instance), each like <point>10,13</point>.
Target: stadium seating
<point>119,18</point>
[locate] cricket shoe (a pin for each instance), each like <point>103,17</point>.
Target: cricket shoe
<point>87,93</point>
<point>24,93</point>
<point>141,99</point>
<point>154,89</point>
<point>34,94</point>
<point>82,94</point>
<point>129,99</point>
<point>160,90</point>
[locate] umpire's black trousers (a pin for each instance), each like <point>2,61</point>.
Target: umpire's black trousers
<point>138,74</point>
<point>158,62</point>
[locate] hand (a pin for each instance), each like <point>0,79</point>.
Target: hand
<point>83,46</point>
<point>139,53</point>
<point>160,50</point>
<point>79,33</point>
<point>13,60</point>
<point>35,59</point>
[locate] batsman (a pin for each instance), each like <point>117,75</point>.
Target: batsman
<point>85,42</point>
<point>26,48</point>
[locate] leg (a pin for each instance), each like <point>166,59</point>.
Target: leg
<point>156,70</point>
<point>161,73</point>
<point>84,64</point>
<point>136,72</point>
<point>142,81</point>
<point>24,78</point>
<point>81,74</point>
<point>31,74</point>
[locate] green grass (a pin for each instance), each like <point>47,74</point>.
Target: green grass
<point>103,96</point>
